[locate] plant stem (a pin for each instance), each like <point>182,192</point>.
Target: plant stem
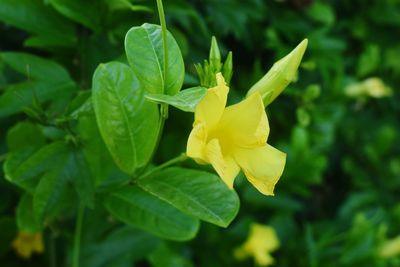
<point>52,250</point>
<point>163,107</point>
<point>77,236</point>
<point>164,37</point>
<point>180,158</point>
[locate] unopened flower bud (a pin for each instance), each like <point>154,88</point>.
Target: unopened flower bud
<point>280,75</point>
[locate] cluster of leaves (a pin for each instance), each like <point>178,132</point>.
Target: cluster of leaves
<point>337,201</point>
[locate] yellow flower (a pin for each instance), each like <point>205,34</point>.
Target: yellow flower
<point>27,243</point>
<point>261,241</point>
<point>234,138</point>
<point>372,87</point>
<point>390,248</point>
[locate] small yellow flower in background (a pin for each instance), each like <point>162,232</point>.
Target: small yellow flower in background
<point>390,248</point>
<point>25,244</point>
<point>234,138</point>
<point>372,87</point>
<point>260,243</point>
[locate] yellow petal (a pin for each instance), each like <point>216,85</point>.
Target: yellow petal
<point>22,249</point>
<point>390,248</point>
<point>38,243</point>
<point>211,107</point>
<point>263,166</point>
<point>264,236</point>
<point>197,143</point>
<point>246,123</point>
<point>262,240</point>
<point>263,259</point>
<point>225,166</point>
<point>27,243</point>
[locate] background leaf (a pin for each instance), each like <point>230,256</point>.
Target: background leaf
<point>101,165</point>
<point>23,167</point>
<point>45,80</point>
<point>81,177</point>
<point>88,12</point>
<point>136,245</point>
<point>24,135</point>
<point>34,17</point>
<point>51,187</point>
<point>26,220</point>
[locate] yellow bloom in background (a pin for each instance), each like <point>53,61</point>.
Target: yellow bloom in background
<point>25,244</point>
<point>390,248</point>
<point>234,138</point>
<point>372,87</point>
<point>260,243</point>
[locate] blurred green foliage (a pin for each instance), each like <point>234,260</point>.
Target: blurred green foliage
<point>337,202</point>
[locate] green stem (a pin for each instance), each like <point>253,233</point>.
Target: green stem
<point>77,236</point>
<point>52,250</point>
<point>164,36</point>
<point>180,158</point>
<point>163,107</point>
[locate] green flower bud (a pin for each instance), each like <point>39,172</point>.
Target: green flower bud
<point>227,69</point>
<point>215,55</point>
<point>208,70</point>
<point>280,75</point>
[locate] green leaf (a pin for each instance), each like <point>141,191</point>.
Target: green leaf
<point>197,193</point>
<point>50,189</point>
<point>136,245</point>
<point>303,116</point>
<point>26,220</point>
<point>23,167</point>
<point>19,96</point>
<point>80,106</point>
<point>24,135</point>
<point>185,100</point>
<point>163,256</point>
<point>321,12</point>
<point>97,156</point>
<point>34,67</point>
<point>88,12</point>
<point>126,5</point>
<point>138,208</point>
<point>70,166</point>
<point>81,177</point>
<point>34,17</point>
<point>45,174</point>
<point>144,49</point>
<point>45,80</point>
<point>104,171</point>
<point>11,166</point>
<point>127,123</point>
<point>312,92</point>
<point>369,61</point>
<point>43,42</point>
